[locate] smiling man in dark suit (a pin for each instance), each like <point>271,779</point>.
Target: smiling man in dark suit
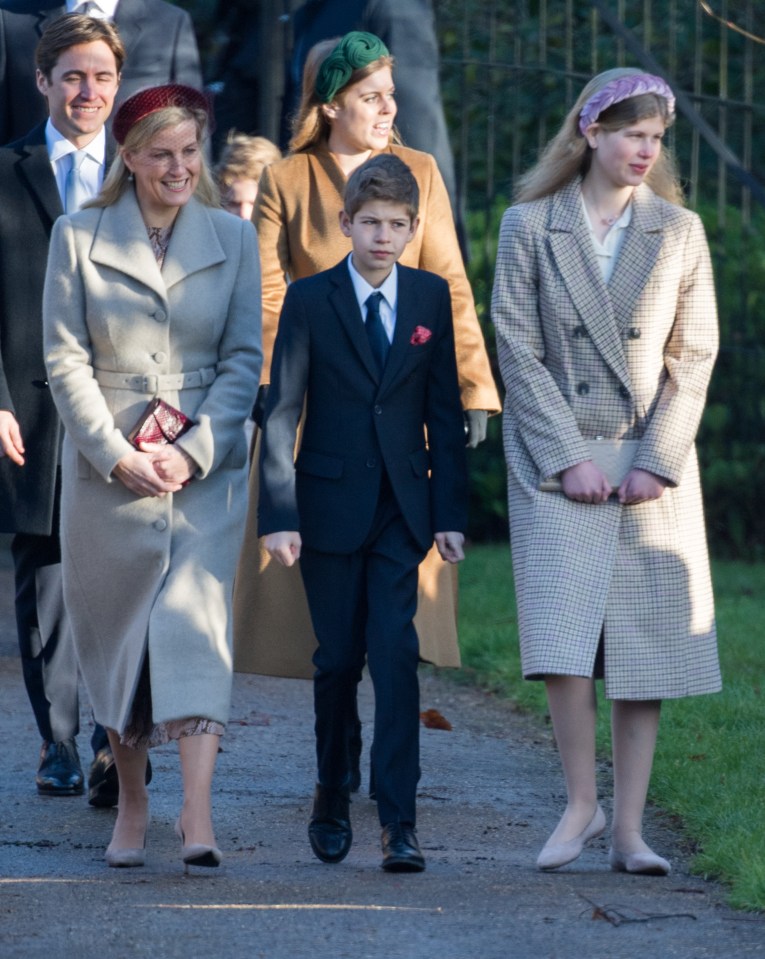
<point>367,496</point>
<point>53,169</point>
<point>158,37</point>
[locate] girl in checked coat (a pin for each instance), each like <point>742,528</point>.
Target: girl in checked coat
<point>605,317</point>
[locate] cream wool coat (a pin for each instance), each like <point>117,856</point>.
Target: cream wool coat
<point>631,359</point>
<point>152,574</point>
<point>296,214</point>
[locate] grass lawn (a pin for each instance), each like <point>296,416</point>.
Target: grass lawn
<point>710,759</point>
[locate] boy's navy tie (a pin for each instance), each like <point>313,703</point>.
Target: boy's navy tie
<point>378,338</point>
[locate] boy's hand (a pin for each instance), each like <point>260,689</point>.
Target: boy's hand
<point>283,547</point>
<point>449,546</point>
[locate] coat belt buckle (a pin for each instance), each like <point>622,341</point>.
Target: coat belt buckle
<point>151,383</point>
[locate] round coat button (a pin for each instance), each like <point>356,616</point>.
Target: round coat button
<point>580,331</point>
<point>371,462</point>
<point>159,315</point>
<point>583,389</point>
<point>634,333</point>
<point>624,392</point>
<point>159,357</point>
<point>160,525</point>
<point>378,409</point>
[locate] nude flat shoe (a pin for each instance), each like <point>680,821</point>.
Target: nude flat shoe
<point>558,854</point>
<point>639,863</point>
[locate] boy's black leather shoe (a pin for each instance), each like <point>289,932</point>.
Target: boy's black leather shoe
<point>401,851</point>
<point>329,829</point>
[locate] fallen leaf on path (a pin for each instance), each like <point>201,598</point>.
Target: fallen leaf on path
<point>432,719</point>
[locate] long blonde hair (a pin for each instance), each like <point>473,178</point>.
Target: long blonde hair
<point>140,135</point>
<point>310,126</point>
<point>568,154</point>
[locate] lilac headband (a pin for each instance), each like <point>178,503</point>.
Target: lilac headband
<point>632,85</point>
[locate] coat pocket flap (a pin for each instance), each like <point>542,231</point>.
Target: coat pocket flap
<point>420,461</point>
<point>318,464</point>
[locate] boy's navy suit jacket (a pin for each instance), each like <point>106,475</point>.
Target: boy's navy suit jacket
<point>358,422</point>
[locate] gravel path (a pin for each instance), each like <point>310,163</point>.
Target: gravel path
<point>489,795</point>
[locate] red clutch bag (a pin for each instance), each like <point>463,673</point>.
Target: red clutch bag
<point>159,423</point>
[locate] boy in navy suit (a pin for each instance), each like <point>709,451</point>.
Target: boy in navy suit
<point>369,347</point>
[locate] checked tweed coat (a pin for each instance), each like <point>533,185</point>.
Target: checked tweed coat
<point>631,359</point>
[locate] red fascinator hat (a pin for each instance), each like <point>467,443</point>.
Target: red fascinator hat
<point>150,100</point>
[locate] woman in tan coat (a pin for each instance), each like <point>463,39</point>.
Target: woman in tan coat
<point>347,114</point>
<point>604,310</point>
<point>151,291</point>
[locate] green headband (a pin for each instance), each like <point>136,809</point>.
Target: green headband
<point>356,50</point>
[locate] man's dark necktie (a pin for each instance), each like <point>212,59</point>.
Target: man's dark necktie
<point>378,338</point>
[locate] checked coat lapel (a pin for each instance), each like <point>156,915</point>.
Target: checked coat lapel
<point>638,254</point>
<point>572,249</point>
<point>606,308</point>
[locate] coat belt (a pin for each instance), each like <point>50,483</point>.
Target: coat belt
<point>155,382</point>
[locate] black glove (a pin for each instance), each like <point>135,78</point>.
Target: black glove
<point>259,409</point>
<point>475,427</point>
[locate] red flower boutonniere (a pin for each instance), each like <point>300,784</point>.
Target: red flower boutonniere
<point>421,335</point>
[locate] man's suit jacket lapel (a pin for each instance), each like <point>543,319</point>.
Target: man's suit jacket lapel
<point>46,14</point>
<point>129,20</point>
<point>35,168</point>
<point>574,255</point>
<point>406,320</point>
<point>343,300</point>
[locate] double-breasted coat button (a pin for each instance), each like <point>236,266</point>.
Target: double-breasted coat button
<point>378,409</point>
<point>159,315</point>
<point>580,331</point>
<point>624,392</point>
<point>159,357</point>
<point>160,525</point>
<point>634,333</point>
<point>371,462</point>
<point>583,389</point>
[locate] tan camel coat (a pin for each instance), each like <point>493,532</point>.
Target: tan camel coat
<point>297,219</point>
<point>152,573</point>
<point>630,359</point>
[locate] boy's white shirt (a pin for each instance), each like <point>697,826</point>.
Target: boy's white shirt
<point>389,290</point>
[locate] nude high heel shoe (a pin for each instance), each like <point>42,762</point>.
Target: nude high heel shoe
<point>197,854</point>
<point>127,858</point>
<point>558,854</point>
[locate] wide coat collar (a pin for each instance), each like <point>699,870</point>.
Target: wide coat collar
<point>343,300</point>
<point>605,308</point>
<point>121,242</point>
